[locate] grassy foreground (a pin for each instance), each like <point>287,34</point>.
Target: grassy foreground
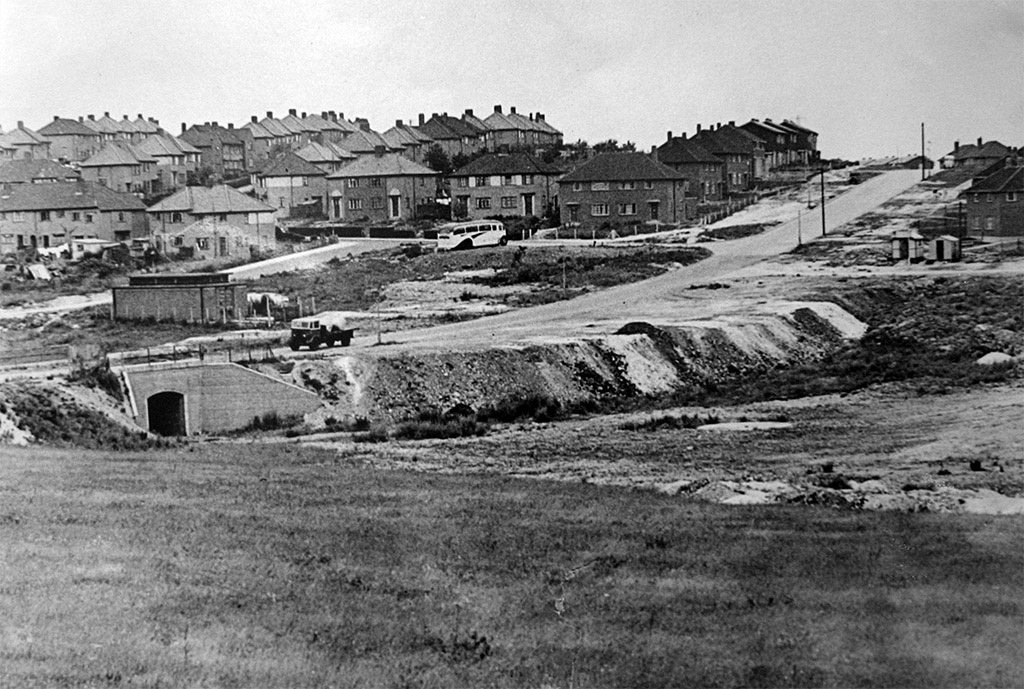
<point>275,566</point>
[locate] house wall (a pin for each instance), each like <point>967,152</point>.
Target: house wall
<point>33,230</point>
<point>465,190</point>
<point>73,146</point>
<point>283,193</point>
<point>373,201</point>
<point>706,179</point>
<point>123,177</point>
<point>668,194</point>
<point>165,222</point>
<point>994,215</point>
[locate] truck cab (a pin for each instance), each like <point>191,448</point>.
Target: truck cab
<point>325,328</point>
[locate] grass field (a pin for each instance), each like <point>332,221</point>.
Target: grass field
<point>254,565</point>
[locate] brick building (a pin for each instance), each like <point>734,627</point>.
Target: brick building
<point>219,204</point>
<point>384,186</point>
<point>995,203</point>
<point>22,142</point>
<point>70,139</point>
<point>46,215</point>
<point>703,171</point>
<point>34,171</point>
<point>504,184</point>
<point>288,182</point>
<point>622,188</point>
<point>221,149</point>
<point>122,167</point>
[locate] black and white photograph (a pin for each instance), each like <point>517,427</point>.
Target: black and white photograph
<point>540,344</point>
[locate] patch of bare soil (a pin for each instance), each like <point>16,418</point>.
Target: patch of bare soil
<point>883,448</point>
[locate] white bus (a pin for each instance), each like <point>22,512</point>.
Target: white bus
<point>472,234</point>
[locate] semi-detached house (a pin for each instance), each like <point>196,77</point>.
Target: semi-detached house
<point>504,184</point>
<point>381,187</point>
<point>622,189</point>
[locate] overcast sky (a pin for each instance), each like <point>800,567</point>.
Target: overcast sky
<point>862,74</point>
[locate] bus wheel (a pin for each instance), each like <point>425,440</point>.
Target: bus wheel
<point>503,241</point>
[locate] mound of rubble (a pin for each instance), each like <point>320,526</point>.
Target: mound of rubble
<point>641,359</point>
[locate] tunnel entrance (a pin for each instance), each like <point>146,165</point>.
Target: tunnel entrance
<point>167,413</point>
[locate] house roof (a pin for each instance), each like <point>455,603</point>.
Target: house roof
<point>205,135</point>
<point>387,165</point>
<point>23,136</point>
<point>273,126</point>
<point>614,167</point>
<point>66,127</point>
<point>497,121</point>
<point>202,200</point>
<point>290,165</point>
<point>315,152</point>
<point>475,121</point>
<point>21,171</point>
<point>680,151</point>
<point>439,129</point>
<point>166,145</point>
<point>542,123</point>
<point>800,128</point>
<point>145,126</point>
<point>1010,178</point>
<point>506,164</point>
<point>524,123</point>
<point>118,153</point>
<point>398,137</point>
<point>293,124</point>
<point>65,195</point>
<point>107,124</point>
<point>258,130</point>
<point>723,141</point>
<point>364,141</point>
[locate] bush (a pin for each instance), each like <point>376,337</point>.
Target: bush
<point>671,422</point>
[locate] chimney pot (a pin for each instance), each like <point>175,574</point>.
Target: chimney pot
<point>231,125</point>
<point>497,109</point>
<point>106,113</point>
<point>718,126</point>
<point>698,127</point>
<point>332,114</point>
<point>92,118</point>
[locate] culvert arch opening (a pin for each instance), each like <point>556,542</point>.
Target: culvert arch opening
<point>167,413</point>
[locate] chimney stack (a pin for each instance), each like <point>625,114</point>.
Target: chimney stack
<point>21,125</point>
<point>231,125</point>
<point>270,114</point>
<point>140,115</point>
<point>698,127</point>
<point>497,109</point>
<point>956,146</point>
<point>215,123</point>
<point>398,123</point>
<point>512,110</point>
<point>291,111</point>
<point>253,119</point>
<point>106,114</point>
<point>718,126</point>
<point>81,119</point>
<point>183,127</point>
<point>669,138</point>
<point>56,117</point>
<point>92,118</point>
<point>979,138</point>
<point>421,119</point>
<point>732,123</point>
<point>469,112</point>
<point>303,115</point>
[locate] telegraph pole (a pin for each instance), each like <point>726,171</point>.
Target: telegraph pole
<point>822,200</point>
<point>922,151</point>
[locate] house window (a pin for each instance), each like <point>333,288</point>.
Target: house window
<point>18,216</point>
<point>177,241</point>
<point>627,209</point>
<point>1011,196</point>
<point>377,202</point>
<point>423,181</point>
<point>599,186</point>
<point>483,181</point>
<point>44,216</point>
<point>574,212</point>
<point>990,223</point>
<point>527,179</point>
<point>462,181</point>
<point>508,201</point>
<point>175,217</point>
<point>75,216</point>
<point>355,204</point>
<point>977,198</point>
<point>976,223</point>
<point>375,182</point>
<point>627,185</point>
<point>990,197</point>
<point>507,180</point>
<point>483,202</point>
<point>599,209</point>
<point>202,243</point>
<point>60,214</point>
<point>120,217</point>
<point>352,183</point>
<point>88,217</point>
<point>577,186</point>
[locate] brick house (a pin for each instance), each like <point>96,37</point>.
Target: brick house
<point>504,184</point>
<point>288,182</point>
<point>506,134</point>
<point>805,147</point>
<point>122,167</point>
<point>220,148</point>
<point>455,136</point>
<point>328,156</point>
<point>625,188</point>
<point>22,142</point>
<point>106,127</point>
<point>971,155</point>
<point>703,170</point>
<point>412,143</point>
<point>381,187</point>
<point>735,150</point>
<point>219,204</point>
<point>70,139</point>
<point>778,143</point>
<point>175,159</point>
<point>45,215</point>
<point>995,203</point>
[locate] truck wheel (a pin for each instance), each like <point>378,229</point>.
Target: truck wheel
<point>294,346</point>
<point>314,345</point>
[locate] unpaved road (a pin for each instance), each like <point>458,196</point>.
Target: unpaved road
<point>663,298</point>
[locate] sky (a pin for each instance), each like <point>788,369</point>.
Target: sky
<point>863,74</point>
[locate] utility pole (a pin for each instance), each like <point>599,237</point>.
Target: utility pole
<point>799,230</point>
<point>922,151</point>
<point>822,200</point>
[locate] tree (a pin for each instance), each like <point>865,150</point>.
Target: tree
<point>436,159</point>
<point>612,145</point>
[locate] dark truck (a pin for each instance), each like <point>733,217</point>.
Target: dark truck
<point>325,328</point>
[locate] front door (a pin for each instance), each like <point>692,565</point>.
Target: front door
<point>337,206</point>
<point>940,251</point>
<point>396,205</point>
<point>527,204</point>
<point>654,209</point>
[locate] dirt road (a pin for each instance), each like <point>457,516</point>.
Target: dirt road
<point>661,298</point>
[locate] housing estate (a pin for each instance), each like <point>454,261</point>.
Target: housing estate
<point>35,171</point>
<point>504,184</point>
<point>47,215</point>
<point>622,189</point>
<point>384,186</point>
